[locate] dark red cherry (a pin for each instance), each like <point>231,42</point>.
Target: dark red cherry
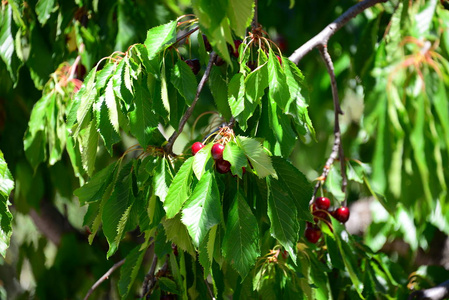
<point>313,234</point>
<point>223,166</point>
<point>217,151</point>
<point>341,214</point>
<point>235,51</point>
<point>207,44</point>
<point>194,64</point>
<point>322,203</point>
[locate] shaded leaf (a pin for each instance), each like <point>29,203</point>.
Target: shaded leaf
<point>6,187</point>
<point>255,152</point>
<point>184,81</point>
<point>179,190</point>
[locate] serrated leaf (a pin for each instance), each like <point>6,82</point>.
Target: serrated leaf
<point>152,66</point>
<point>280,124</point>
<point>284,222</point>
<point>159,38</point>
<point>218,88</point>
<point>240,13</point>
<point>35,139</point>
<point>255,152</point>
<point>6,187</point>
<point>116,209</point>
<point>112,106</point>
<point>295,184</point>
<point>104,125</point>
<point>277,82</point>
<point>177,233</point>
<point>203,161</point>
<point>93,190</point>
<point>179,190</point>
<point>184,81</point>
<point>162,179</point>
<point>88,147</point>
<point>256,82</point>
<point>236,94</point>
<point>143,121</point>
<point>203,209</point>
<point>210,13</point>
<point>7,51</point>
<point>83,102</point>
<point>104,75</point>
<point>44,9</point>
<point>129,270</point>
<point>241,240</point>
<point>236,158</point>
<point>168,285</point>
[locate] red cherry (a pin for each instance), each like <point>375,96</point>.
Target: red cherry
<point>341,214</point>
<point>243,170</point>
<point>312,234</point>
<point>219,61</point>
<point>223,166</point>
<point>197,146</point>
<point>217,151</point>
<point>235,51</point>
<point>320,214</point>
<point>194,64</point>
<point>322,203</point>
<point>279,59</point>
<point>207,44</point>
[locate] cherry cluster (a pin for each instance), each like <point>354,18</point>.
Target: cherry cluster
<point>222,166</point>
<point>320,211</point>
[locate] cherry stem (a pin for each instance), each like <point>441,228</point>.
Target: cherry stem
<point>169,146</point>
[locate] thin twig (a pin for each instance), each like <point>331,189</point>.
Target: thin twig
<point>209,290</point>
<point>149,280</point>
<point>104,277</point>
<point>186,34</point>
<point>323,37</point>
<point>169,146</point>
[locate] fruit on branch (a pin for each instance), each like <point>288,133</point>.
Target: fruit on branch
<point>217,151</point>
<point>223,166</point>
<point>320,214</point>
<point>312,233</point>
<point>197,146</point>
<point>219,61</point>
<point>341,214</point>
<point>279,59</point>
<point>207,44</point>
<point>322,203</point>
<point>194,65</point>
<point>235,51</point>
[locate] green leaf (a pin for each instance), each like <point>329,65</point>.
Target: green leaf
<point>44,9</point>
<point>210,13</point>
<point>203,161</point>
<point>129,270</point>
<point>112,105</point>
<point>116,209</point>
<point>168,285</point>
<point>184,81</point>
<point>143,121</point>
<point>295,184</point>
<point>218,87</point>
<point>6,187</point>
<point>162,178</point>
<point>256,82</point>
<point>282,129</point>
<point>236,94</point>
<point>179,190</point>
<point>240,14</point>
<point>177,233</point>
<point>94,189</point>
<point>160,38</point>
<point>236,158</point>
<point>88,147</point>
<point>104,75</point>
<point>255,152</point>
<point>7,51</point>
<point>241,240</point>
<point>35,139</point>
<point>104,126</point>
<point>284,219</point>
<point>83,102</point>
<point>277,82</point>
<point>203,209</point>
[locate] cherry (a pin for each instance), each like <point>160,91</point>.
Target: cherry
<point>341,214</point>
<point>252,65</point>
<point>217,151</point>
<point>223,166</point>
<point>235,51</point>
<point>320,214</point>
<point>219,61</point>
<point>197,146</point>
<point>322,203</point>
<point>312,234</point>
<point>279,59</point>
<point>207,44</point>
<point>243,170</point>
<point>194,64</point>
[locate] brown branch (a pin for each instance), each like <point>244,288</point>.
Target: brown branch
<point>169,146</point>
<point>438,292</point>
<point>104,277</point>
<point>186,34</point>
<point>322,38</point>
<point>150,279</point>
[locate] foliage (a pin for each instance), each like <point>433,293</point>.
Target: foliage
<point>96,90</point>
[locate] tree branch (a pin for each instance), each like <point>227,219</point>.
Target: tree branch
<point>104,277</point>
<point>322,38</point>
<point>169,146</point>
<point>149,280</point>
<point>438,292</point>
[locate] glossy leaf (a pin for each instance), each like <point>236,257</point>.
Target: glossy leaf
<point>277,82</point>
<point>6,187</point>
<point>240,14</point>
<point>236,93</point>
<point>43,10</point>
<point>184,81</point>
<point>255,152</point>
<point>236,158</point>
<point>159,38</point>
